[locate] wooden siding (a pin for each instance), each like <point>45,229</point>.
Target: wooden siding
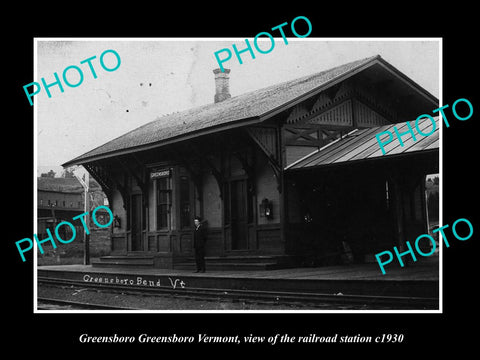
<point>266,187</point>
<point>339,115</point>
<point>119,243</point>
<point>294,153</point>
<point>152,243</point>
<point>321,104</point>
<point>164,242</point>
<point>266,139</point>
<point>268,238</point>
<point>185,242</point>
<point>367,117</point>
<point>215,245</point>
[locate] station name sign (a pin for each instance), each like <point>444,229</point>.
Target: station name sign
<point>159,173</point>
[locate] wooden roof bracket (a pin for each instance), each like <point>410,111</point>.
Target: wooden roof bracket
<point>140,182</point>
<point>271,156</point>
<point>107,182</point>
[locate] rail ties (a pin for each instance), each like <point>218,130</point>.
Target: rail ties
<point>57,304</point>
<point>393,302</point>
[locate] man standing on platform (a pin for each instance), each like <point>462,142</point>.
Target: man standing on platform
<point>199,240</point>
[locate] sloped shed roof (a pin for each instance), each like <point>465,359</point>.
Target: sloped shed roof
<point>362,145</point>
<point>254,106</point>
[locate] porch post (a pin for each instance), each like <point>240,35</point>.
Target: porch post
<point>399,218</point>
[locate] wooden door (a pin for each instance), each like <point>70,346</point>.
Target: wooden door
<point>239,217</point>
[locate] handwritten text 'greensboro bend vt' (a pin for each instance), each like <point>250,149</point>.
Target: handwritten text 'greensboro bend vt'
<point>136,281</point>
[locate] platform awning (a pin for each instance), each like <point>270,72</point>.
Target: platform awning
<point>362,145</point>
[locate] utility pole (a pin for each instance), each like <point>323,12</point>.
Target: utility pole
<point>84,178</point>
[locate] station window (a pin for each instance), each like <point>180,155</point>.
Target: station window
<point>163,192</point>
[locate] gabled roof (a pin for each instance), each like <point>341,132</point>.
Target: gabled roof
<point>246,109</point>
<point>66,185</point>
<point>362,145</point>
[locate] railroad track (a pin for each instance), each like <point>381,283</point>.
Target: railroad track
<point>50,304</point>
<point>255,296</point>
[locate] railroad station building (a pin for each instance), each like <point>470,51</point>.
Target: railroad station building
<point>288,175</point>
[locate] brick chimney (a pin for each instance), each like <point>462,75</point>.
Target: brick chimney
<point>222,91</point>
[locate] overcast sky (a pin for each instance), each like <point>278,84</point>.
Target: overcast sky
<point>161,76</point>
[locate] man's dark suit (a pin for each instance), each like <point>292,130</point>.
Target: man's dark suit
<point>199,240</point>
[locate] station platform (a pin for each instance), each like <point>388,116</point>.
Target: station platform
<point>419,279</point>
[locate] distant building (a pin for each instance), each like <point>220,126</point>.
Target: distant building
<point>61,199</point>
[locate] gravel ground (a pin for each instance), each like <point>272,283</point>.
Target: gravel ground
<point>169,302</point>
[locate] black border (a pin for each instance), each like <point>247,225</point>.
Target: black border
<point>429,332</point>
